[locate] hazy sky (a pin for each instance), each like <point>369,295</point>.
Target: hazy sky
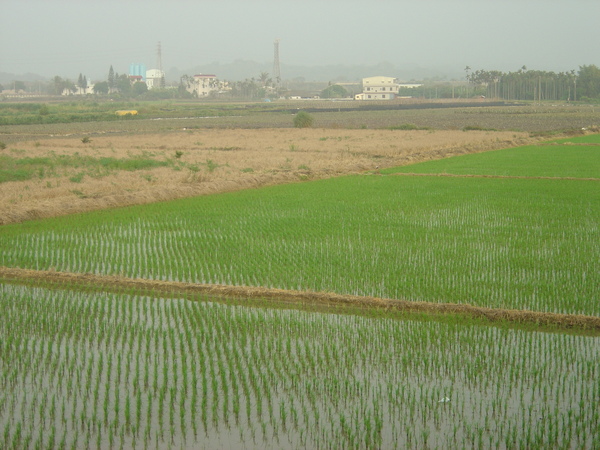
<point>68,37</point>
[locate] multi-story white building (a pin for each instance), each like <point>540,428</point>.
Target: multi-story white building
<point>204,84</point>
<point>154,77</point>
<point>378,88</point>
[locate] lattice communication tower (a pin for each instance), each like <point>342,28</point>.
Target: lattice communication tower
<point>276,68</point>
<point>159,64</point>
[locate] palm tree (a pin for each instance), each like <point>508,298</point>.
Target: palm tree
<point>264,79</point>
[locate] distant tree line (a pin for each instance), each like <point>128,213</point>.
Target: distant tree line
<point>523,84</point>
<point>120,86</point>
<point>255,88</point>
<point>537,84</point>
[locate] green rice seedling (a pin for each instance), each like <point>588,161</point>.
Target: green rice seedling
<point>127,413</point>
<point>149,413</point>
<point>161,404</point>
<point>52,437</point>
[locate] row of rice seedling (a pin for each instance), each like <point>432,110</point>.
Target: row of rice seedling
<point>518,244</point>
<point>85,370</point>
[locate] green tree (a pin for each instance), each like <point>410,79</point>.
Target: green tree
<point>60,85</point>
<point>186,87</point>
<point>139,88</point>
<point>101,88</point>
<point>122,84</point>
<point>524,84</point>
<point>111,78</point>
<point>264,79</point>
<point>334,91</point>
<point>303,120</point>
<point>588,82</point>
<point>186,82</point>
<point>82,83</point>
<point>247,88</point>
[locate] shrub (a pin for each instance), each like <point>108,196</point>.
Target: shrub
<point>334,91</point>
<point>405,126</point>
<point>303,120</point>
<point>408,126</point>
<point>476,128</point>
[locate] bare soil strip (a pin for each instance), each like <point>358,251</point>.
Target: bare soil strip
<point>565,321</point>
<point>450,175</point>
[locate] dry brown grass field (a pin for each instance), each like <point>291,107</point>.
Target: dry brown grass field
<point>205,161</point>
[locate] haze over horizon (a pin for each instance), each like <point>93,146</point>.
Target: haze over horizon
<point>68,37</point>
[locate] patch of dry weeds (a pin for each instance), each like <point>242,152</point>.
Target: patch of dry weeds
<point>207,161</point>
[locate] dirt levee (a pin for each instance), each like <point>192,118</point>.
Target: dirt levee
<point>566,321</point>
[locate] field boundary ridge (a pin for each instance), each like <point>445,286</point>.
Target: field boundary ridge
<point>538,318</point>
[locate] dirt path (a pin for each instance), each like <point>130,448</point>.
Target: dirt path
<point>559,321</point>
<point>207,161</point>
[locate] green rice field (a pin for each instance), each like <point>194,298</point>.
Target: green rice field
<point>501,243</point>
<point>586,139</point>
<point>550,160</point>
<point>94,368</point>
<point>122,370</point>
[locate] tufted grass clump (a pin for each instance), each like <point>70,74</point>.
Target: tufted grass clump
<point>303,120</point>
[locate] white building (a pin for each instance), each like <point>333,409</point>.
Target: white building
<point>378,88</point>
<point>154,77</point>
<point>204,84</point>
<point>89,89</point>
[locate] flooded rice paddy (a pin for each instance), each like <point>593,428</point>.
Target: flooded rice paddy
<point>108,370</point>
